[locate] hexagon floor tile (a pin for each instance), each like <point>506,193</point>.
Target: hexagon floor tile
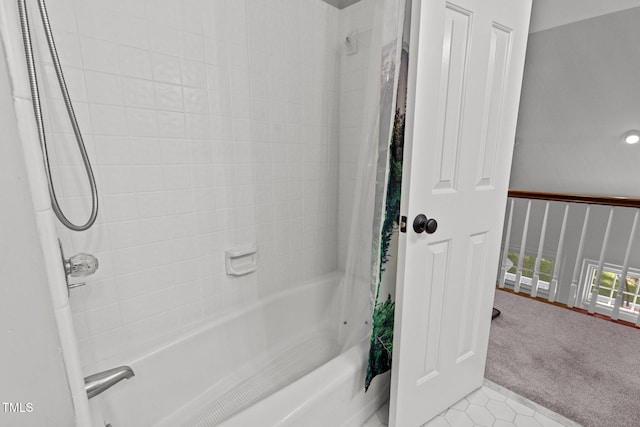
<point>490,406</point>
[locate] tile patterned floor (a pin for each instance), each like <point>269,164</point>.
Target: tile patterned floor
<point>489,406</point>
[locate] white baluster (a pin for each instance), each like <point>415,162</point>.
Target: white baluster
<point>596,287</point>
<point>505,252</point>
<point>536,268</point>
<point>573,292</point>
<point>638,318</point>
<point>615,314</point>
<point>523,244</point>
<point>553,286</point>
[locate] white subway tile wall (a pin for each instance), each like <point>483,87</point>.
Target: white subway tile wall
<point>356,21</point>
<point>210,125</point>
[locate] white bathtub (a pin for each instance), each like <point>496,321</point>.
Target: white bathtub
<point>276,363</point>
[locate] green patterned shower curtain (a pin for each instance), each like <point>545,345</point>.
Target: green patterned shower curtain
<point>388,190</point>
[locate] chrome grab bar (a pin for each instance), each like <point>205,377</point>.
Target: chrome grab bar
<point>97,383</point>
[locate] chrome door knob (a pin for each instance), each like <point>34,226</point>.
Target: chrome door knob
<point>81,265</point>
<point>423,224</point>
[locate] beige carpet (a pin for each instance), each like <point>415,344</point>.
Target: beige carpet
<point>582,367</point>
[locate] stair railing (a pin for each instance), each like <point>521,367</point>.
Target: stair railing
<point>569,226</point>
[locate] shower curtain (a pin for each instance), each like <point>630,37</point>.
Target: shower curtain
<point>368,308</point>
<point>386,231</point>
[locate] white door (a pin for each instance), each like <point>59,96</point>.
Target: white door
<point>465,74</point>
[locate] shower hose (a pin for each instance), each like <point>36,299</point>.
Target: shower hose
<point>37,109</point>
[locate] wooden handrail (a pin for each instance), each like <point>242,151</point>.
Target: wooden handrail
<point>576,198</point>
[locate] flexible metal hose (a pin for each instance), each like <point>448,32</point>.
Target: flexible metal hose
<point>37,109</point>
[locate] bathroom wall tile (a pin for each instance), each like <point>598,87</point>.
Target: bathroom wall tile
<point>141,122</point>
<point>141,282</point>
<point>191,46</point>
<point>112,150</point>
<point>191,12</point>
<point>132,31</point>
<point>238,56</point>
<point>236,15</point>
<point>190,314</point>
<point>120,207</point>
<point>80,325</point>
<point>220,103</point>
<point>181,225</point>
<point>95,23</point>
<point>151,204</point>
<point>194,73</point>
<point>198,126</point>
<point>166,68</point>
<point>260,109</point>
<point>103,319</point>
<point>202,152</point>
<point>171,124</point>
<point>165,12</point>
<point>242,130</point>
<point>177,177</point>
<point>195,100</point>
<point>117,179</point>
<point>138,93</point>
<point>221,129</point>
<point>98,293</point>
<point>153,230</point>
<point>216,52</point>
<point>138,308</point>
<point>85,351</point>
<point>259,83</point>
<point>94,240</point>
<point>108,119</point>
<point>175,151</point>
<point>193,105</point>
<point>145,151</point>
<point>103,88</point>
<point>99,55</point>
<point>163,39</point>
<point>215,15</point>
<point>240,107</point>
<point>106,345</point>
<point>135,62</point>
<point>124,234</point>
<point>128,7</point>
<point>184,248</point>
<point>180,201</point>
<point>152,328</point>
<point>168,97</point>
<point>148,178</point>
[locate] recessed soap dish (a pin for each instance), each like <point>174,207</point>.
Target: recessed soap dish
<point>241,261</point>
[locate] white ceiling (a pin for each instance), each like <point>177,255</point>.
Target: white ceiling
<point>554,13</point>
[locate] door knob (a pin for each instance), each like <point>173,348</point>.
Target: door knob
<point>422,223</point>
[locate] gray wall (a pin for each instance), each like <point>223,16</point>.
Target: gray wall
<point>31,367</point>
<point>581,93</point>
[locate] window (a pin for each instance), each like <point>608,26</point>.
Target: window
<point>609,284</point>
<point>528,264</point>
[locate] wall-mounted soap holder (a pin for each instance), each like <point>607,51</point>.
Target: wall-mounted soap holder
<point>241,261</point>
